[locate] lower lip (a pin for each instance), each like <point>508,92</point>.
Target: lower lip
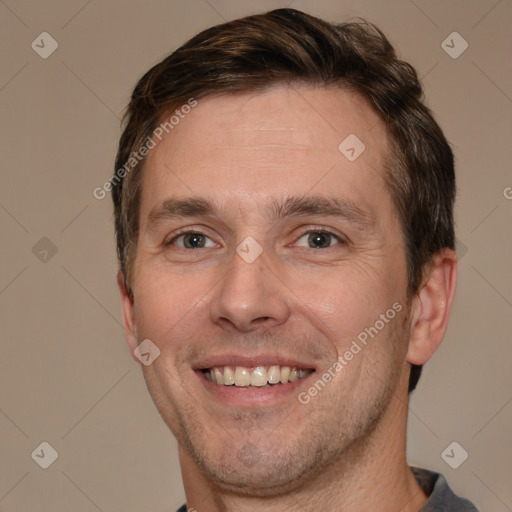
<point>251,396</point>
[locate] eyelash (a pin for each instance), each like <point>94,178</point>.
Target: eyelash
<point>341,239</point>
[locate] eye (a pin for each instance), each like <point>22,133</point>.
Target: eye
<point>319,239</point>
<point>191,240</point>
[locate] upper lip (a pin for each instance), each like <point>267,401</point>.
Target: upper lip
<point>252,361</point>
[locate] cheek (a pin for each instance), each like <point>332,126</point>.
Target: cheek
<point>167,306</point>
<point>362,314</point>
<point>343,302</point>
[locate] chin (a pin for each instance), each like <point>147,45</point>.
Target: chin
<point>264,478</point>
<point>264,470</point>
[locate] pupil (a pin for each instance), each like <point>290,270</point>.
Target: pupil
<point>194,240</point>
<point>319,238</point>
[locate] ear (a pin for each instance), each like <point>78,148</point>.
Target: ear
<point>431,307</point>
<point>130,329</point>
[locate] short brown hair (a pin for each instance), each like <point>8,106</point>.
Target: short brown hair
<point>288,46</point>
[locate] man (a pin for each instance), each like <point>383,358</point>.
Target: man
<point>283,204</point>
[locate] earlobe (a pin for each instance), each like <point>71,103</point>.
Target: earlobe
<point>130,328</point>
<point>431,307</point>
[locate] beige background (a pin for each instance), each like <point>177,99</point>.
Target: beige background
<point>66,375</point>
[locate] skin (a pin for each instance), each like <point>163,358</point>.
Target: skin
<point>345,449</point>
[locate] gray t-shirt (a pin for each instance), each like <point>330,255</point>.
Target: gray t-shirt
<point>440,497</point>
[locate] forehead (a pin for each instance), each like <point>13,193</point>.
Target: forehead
<point>286,140</point>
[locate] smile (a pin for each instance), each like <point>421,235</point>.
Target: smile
<point>257,376</point>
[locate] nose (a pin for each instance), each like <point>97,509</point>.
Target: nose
<point>250,296</point>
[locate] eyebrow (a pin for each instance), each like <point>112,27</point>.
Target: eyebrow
<point>295,206</point>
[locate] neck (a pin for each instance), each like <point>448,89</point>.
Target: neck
<point>373,475</point>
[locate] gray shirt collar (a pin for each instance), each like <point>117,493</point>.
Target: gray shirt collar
<point>441,497</point>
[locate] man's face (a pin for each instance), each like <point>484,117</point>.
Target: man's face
<point>300,303</point>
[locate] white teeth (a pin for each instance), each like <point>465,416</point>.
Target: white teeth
<point>242,376</point>
<point>229,376</point>
<point>218,376</point>
<point>294,375</point>
<point>285,373</point>
<point>274,375</point>
<point>259,376</point>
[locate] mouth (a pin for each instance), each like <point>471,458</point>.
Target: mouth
<point>255,377</point>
